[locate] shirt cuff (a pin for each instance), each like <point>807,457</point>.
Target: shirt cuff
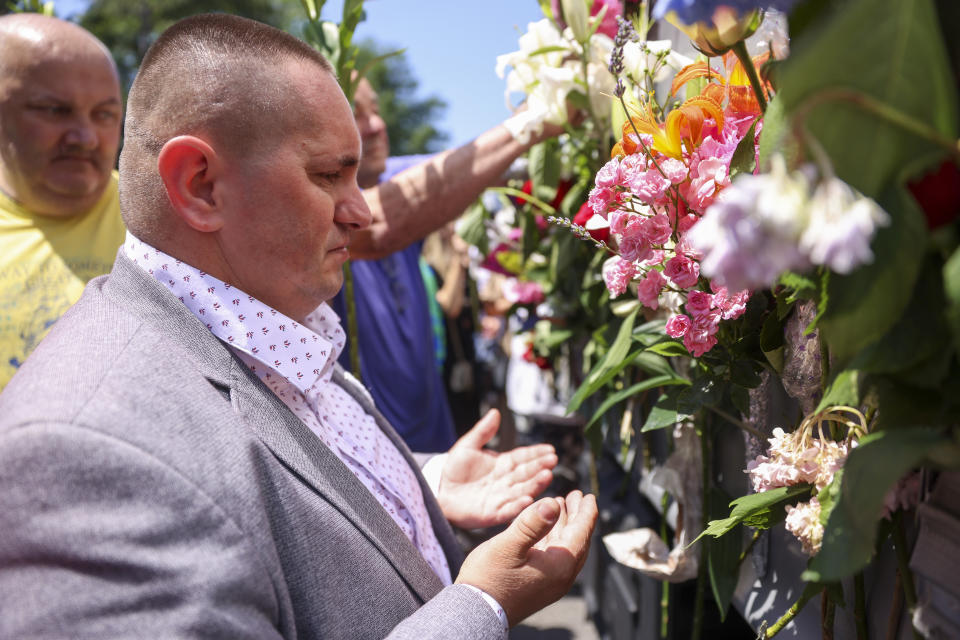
<point>490,600</point>
<point>433,470</point>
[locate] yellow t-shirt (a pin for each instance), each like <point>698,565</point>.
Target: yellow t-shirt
<point>44,265</point>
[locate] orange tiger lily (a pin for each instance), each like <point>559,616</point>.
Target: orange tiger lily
<point>683,125</point>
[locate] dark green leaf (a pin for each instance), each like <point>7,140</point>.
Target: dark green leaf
<point>844,389</point>
<point>744,158</point>
<point>760,510</point>
<point>649,383</point>
<point>771,336</point>
<point>740,398</point>
<point>951,283</point>
<point>869,472</point>
<point>612,363</point>
<point>664,412</point>
<point>744,373</point>
<point>723,555</point>
<point>654,364</point>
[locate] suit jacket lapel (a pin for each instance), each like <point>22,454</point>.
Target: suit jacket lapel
<point>274,424</point>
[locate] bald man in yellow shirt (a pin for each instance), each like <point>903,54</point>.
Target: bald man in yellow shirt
<point>60,226</point>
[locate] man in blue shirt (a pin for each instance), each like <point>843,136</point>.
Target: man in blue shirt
<point>409,197</point>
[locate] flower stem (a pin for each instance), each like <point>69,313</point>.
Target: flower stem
<point>737,423</point>
<point>791,613</point>
<point>828,610</point>
<point>351,320</point>
<point>859,606</point>
<point>740,50</point>
<point>743,554</point>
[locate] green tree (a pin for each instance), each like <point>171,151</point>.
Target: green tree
<point>129,28</point>
<point>410,119</point>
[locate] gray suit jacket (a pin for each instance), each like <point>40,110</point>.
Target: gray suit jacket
<point>151,486</point>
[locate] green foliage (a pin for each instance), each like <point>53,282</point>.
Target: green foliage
<point>128,29</point>
<point>722,554</point>
<point>759,510</point>
<point>410,118</point>
<point>613,361</point>
<point>870,470</point>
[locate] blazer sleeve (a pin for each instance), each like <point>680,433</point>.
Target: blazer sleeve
<point>100,539</point>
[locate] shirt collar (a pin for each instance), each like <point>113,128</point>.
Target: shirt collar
<point>304,354</point>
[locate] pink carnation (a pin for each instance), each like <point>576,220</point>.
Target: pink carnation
<point>609,174</point>
<point>633,245</point>
<point>675,170</point>
<point>649,186</point>
<point>708,321</point>
<point>683,271</point>
<point>618,219</point>
<point>698,342</point>
<point>657,229</point>
<point>617,274</point>
<point>648,292</point>
<point>699,302</point>
<point>678,325</point>
<point>599,198</point>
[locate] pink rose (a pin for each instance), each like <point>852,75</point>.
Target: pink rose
<point>735,305</point>
<point>617,274</point>
<point>609,174</point>
<point>698,302</point>
<point>698,342</point>
<point>707,322</point>
<point>599,198</point>
<point>657,229</point>
<point>648,292</point>
<point>678,325</point>
<point>682,270</point>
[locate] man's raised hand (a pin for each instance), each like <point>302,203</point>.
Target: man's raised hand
<point>535,561</point>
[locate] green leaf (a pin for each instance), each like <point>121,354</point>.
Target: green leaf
<point>654,364</point>
<point>613,361</point>
<point>744,373</point>
<point>865,304</point>
<point>744,157</point>
<point>757,510</point>
<point>951,284</point>
<point>669,348</point>
<point>844,389</point>
<point>903,346</point>
<point>649,383</point>
<point>903,38</point>
<point>771,335</point>
<point>869,472</point>
<point>472,226</point>
<point>544,168</point>
<point>664,412</point>
<point>723,555</point>
<point>547,49</point>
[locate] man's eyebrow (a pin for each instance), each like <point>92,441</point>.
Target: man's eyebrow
<point>349,160</point>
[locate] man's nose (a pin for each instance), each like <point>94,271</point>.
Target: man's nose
<point>81,134</point>
<point>354,211</point>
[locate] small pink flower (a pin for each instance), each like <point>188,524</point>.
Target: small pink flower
<point>609,174</point>
<point>649,186</point>
<point>648,292</point>
<point>678,325</point>
<point>698,342</point>
<point>686,223</point>
<point>708,321</point>
<point>683,271</point>
<point>599,198</point>
<point>657,229</point>
<point>699,302</point>
<point>735,305</point>
<point>617,274</point>
<point>618,219</point>
<point>675,170</point>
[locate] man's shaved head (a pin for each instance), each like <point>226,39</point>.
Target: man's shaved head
<point>60,114</point>
<point>215,76</point>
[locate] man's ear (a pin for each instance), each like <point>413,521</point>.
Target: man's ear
<point>190,168</point>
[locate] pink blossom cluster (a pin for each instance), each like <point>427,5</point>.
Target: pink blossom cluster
<point>803,521</point>
<point>650,204</point>
<point>796,458</point>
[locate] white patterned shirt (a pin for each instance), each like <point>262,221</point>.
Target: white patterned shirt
<point>296,362</point>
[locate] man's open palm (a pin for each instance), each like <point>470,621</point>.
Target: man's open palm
<point>482,488</point>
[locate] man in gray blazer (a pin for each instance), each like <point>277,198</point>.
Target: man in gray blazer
<point>182,458</point>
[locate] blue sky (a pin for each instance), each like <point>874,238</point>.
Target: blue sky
<point>452,47</point>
